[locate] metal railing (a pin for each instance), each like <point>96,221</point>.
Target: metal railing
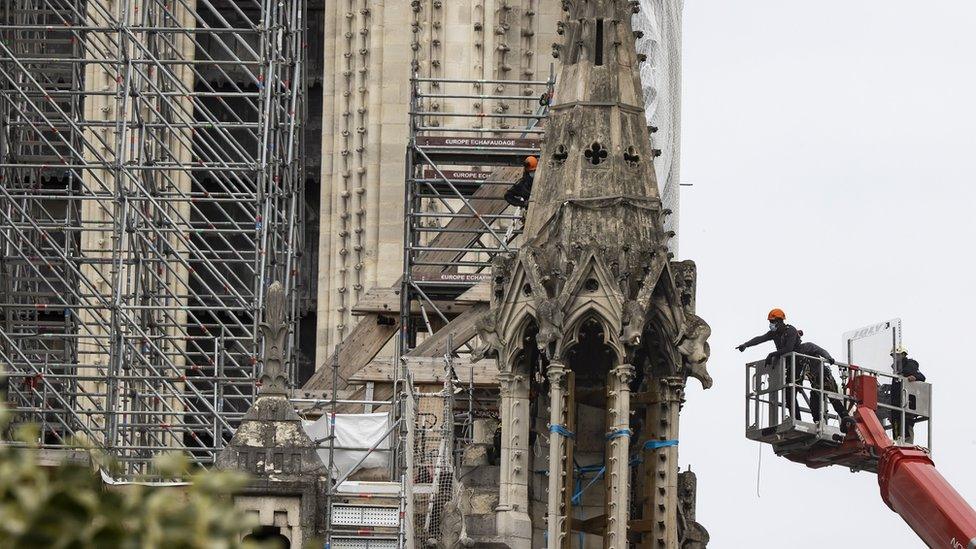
<point>799,395</point>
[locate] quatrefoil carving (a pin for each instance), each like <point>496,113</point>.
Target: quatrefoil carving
<point>560,155</point>
<point>631,156</point>
<point>596,154</point>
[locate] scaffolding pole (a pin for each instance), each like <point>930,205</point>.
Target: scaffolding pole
<point>151,172</point>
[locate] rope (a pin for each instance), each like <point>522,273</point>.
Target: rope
<point>759,470</point>
<point>561,430</point>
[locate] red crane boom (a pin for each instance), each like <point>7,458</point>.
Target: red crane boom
<point>909,481</point>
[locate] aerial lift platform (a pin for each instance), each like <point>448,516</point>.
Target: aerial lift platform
<point>878,436</point>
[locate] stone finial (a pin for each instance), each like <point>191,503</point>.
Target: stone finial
<point>274,331</point>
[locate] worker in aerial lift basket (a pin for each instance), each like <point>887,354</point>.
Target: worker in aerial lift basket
<point>787,340</point>
<point>909,370</point>
<point>818,371</point>
<point>518,194</point>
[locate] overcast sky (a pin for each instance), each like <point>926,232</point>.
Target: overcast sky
<point>830,145</point>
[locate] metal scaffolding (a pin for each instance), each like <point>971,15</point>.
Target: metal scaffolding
<point>456,218</point>
<point>151,179</point>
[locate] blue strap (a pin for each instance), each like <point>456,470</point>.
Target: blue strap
<point>562,430</point>
<point>656,444</point>
<point>578,495</point>
<point>619,433</point>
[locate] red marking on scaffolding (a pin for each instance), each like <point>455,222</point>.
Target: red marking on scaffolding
<point>41,306</point>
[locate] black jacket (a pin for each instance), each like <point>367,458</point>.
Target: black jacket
<point>909,367</point>
<point>812,349</point>
<point>519,193</point>
<point>786,339</point>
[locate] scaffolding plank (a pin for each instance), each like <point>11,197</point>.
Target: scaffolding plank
<point>357,349</point>
<point>461,329</point>
<point>479,293</point>
<point>430,370</point>
<point>381,300</point>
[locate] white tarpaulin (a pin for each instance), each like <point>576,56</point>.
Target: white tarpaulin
<point>352,431</point>
<point>660,21</point>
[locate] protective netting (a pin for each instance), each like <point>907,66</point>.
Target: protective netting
<point>432,466</point>
<point>660,22</point>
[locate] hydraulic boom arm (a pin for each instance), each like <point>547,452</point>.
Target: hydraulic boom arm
<point>909,481</point>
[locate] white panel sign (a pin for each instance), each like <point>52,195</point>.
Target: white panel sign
<point>871,346</point>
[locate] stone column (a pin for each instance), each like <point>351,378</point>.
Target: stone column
<point>513,521</point>
<point>556,511</point>
<point>661,469</point>
<point>618,456</point>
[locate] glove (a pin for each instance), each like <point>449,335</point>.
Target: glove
<point>741,348</point>
<point>832,361</point>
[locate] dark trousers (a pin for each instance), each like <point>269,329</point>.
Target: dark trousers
<point>910,419</point>
<point>794,397</point>
<point>816,371</point>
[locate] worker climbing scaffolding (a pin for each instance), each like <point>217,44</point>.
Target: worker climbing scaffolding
<point>518,195</point>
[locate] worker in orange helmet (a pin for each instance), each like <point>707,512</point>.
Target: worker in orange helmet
<point>518,194</point>
<point>785,337</point>
<point>787,340</point>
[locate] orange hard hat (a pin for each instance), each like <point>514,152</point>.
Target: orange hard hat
<point>531,163</point>
<point>777,314</point>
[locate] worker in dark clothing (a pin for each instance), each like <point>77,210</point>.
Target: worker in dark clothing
<point>818,372</point>
<point>787,340</point>
<point>784,336</point>
<point>518,194</point>
<point>909,370</point>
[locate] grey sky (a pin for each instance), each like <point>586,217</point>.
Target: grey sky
<point>830,146</point>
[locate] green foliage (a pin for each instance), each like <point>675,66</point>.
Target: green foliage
<point>69,506</point>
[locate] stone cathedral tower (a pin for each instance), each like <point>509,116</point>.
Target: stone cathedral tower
<point>593,313</point>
